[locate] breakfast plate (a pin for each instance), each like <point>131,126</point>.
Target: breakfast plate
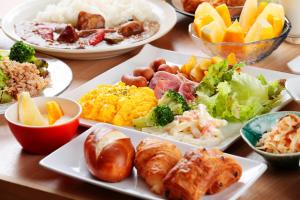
<point>60,75</point>
<point>164,13</point>
<point>74,166</point>
<point>149,53</point>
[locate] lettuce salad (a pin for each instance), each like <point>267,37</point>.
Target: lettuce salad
<point>235,96</point>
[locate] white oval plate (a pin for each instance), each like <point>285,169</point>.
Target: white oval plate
<point>27,11</point>
<point>61,77</point>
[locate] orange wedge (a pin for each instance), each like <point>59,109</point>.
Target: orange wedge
<point>54,112</point>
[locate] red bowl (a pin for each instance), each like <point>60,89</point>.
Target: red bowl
<point>45,139</point>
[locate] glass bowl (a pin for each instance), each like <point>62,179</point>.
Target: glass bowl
<point>249,53</point>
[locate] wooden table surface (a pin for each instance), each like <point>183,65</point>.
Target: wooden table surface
<point>21,177</point>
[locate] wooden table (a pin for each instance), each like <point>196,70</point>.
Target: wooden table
<point>21,177</point>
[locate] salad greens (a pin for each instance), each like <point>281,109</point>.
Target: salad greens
<point>235,96</point>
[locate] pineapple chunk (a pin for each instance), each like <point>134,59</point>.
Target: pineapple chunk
<point>29,113</point>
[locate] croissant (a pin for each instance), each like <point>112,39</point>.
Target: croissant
<point>154,158</point>
<point>199,172</point>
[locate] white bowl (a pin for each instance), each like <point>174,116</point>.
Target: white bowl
<point>27,11</point>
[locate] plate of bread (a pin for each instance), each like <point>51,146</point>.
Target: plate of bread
<point>148,167</point>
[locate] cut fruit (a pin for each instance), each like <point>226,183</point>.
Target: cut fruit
<point>234,33</point>
<point>205,63</point>
<point>274,13</point>
<point>261,30</point>
<point>54,112</point>
<point>224,13</point>
<point>276,22</point>
<point>187,68</point>
<point>28,112</point>
<point>261,7</point>
<point>200,22</point>
<point>212,32</point>
<point>197,74</point>
<point>248,15</point>
<point>231,59</point>
<point>207,9</point>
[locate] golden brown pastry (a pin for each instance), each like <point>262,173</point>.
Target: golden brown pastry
<point>199,172</point>
<point>154,158</point>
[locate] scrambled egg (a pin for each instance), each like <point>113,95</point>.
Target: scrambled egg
<point>117,104</point>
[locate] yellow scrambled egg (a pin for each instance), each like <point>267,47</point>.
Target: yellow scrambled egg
<point>117,104</point>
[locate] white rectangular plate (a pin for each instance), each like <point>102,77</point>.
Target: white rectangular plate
<point>63,161</point>
<point>148,54</point>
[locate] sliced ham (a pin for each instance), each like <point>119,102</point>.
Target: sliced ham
<point>187,89</point>
<point>161,75</point>
<point>163,86</point>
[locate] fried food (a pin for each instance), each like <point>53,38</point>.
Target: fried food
<point>154,159</point>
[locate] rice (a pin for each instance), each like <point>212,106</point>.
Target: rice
<point>23,77</point>
<point>115,12</point>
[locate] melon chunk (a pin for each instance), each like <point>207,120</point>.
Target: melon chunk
<point>261,7</point>
<point>248,15</point>
<point>261,30</point>
<point>200,22</point>
<point>234,33</point>
<point>224,13</point>
<point>212,32</point>
<point>276,22</point>
<point>207,9</point>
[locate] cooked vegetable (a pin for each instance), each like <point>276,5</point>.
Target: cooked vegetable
<point>5,97</point>
<point>175,101</point>
<point>22,52</point>
<point>236,96</point>
<point>160,115</point>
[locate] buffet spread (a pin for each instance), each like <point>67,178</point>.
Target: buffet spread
<point>161,123</point>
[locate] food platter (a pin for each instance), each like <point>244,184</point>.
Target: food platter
<point>27,11</point>
<point>74,166</point>
<point>61,77</point>
<point>149,53</point>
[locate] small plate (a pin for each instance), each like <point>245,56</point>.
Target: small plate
<point>28,10</point>
<point>255,128</point>
<point>69,160</point>
<point>148,54</point>
<point>292,87</point>
<point>61,77</point>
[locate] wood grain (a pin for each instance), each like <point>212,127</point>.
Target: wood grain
<point>22,178</point>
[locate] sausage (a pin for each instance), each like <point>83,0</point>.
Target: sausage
<point>145,72</point>
<point>87,21</point>
<point>131,28</point>
<point>168,68</point>
<point>138,81</point>
<point>68,35</point>
<point>156,63</point>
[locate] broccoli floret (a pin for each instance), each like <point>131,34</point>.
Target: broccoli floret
<point>175,101</point>
<point>22,52</point>
<point>160,115</point>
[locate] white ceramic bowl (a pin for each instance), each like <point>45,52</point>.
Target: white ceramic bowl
<point>28,10</point>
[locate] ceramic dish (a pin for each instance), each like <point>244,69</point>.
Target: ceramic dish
<point>27,11</point>
<point>292,87</point>
<point>61,77</point>
<point>255,128</point>
<point>150,53</point>
<point>45,139</point>
<point>63,161</point>
<point>177,4</point>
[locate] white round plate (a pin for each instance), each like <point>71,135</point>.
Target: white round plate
<point>61,77</point>
<point>27,11</point>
